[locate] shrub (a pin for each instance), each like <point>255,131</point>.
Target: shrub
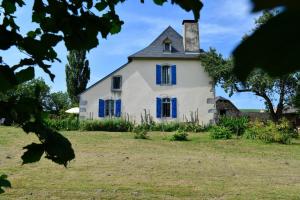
<point>236,125</point>
<point>174,126</point>
<point>67,124</point>
<point>270,132</point>
<point>180,135</point>
<point>111,125</point>
<point>253,129</point>
<point>140,133</point>
<point>220,132</point>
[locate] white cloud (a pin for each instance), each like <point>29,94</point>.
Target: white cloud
<point>216,29</point>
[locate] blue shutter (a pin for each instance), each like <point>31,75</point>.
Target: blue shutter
<point>118,108</point>
<point>158,74</point>
<point>173,74</point>
<point>158,107</point>
<point>101,108</point>
<point>174,108</point>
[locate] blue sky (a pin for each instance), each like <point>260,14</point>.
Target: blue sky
<point>222,25</point>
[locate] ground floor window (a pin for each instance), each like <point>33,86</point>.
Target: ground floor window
<point>109,107</point>
<point>166,107</point>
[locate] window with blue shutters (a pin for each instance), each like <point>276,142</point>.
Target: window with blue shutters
<point>166,75</point>
<point>166,107</point>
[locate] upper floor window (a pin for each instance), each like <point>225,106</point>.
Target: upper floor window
<point>116,82</point>
<point>166,75</point>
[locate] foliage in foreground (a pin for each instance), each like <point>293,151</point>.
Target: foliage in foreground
<point>4,183</point>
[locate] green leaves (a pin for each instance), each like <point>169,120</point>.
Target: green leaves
<point>160,2</point>
<point>190,5</point>
<point>4,183</point>
<point>25,75</point>
<point>56,147</point>
<point>33,154</point>
<point>100,6</point>
<point>7,78</point>
<point>275,45</point>
<point>9,6</point>
<point>270,4</point>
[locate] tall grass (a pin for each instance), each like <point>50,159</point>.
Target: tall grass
<point>110,125</point>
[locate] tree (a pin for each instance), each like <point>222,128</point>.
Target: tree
<point>28,89</point>
<point>77,24</point>
<point>58,102</point>
<point>273,47</point>
<point>276,92</point>
<point>77,74</point>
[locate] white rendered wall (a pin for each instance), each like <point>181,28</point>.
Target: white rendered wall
<point>139,91</point>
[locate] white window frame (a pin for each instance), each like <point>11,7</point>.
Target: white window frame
<point>162,74</point>
<point>109,111</point>
<point>112,83</point>
<point>162,107</point>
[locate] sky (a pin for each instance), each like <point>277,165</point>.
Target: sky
<point>222,25</point>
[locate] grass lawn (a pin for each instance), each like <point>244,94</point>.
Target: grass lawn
<point>116,166</point>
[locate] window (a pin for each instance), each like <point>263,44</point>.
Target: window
<point>116,83</point>
<point>166,107</point>
<point>83,103</point>
<point>109,107</point>
<point>82,110</point>
<point>166,75</point>
<point>167,47</point>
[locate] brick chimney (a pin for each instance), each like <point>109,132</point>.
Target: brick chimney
<point>191,42</point>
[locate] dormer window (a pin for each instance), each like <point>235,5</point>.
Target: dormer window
<point>167,45</point>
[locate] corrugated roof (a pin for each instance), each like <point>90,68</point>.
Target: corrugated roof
<point>155,49</point>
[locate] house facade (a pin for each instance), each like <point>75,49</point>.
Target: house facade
<point>165,80</point>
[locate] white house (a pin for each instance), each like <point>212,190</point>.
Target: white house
<point>166,79</point>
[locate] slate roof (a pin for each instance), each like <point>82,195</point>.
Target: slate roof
<point>155,49</point>
<point>218,98</point>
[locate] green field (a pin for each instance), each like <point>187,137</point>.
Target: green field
<point>116,166</point>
